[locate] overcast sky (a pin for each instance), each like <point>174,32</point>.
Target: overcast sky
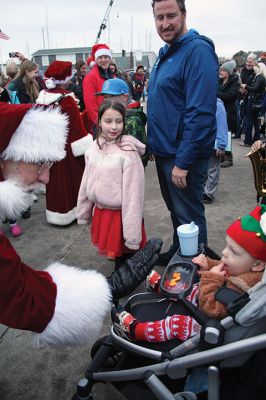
<point>233,25</point>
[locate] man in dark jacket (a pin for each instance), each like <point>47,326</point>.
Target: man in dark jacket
<point>181,116</point>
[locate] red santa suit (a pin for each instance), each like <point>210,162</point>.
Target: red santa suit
<point>61,304</point>
<point>65,176</point>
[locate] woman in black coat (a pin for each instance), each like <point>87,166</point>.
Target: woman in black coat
<point>253,109</point>
<point>228,92</point>
<point>26,84</point>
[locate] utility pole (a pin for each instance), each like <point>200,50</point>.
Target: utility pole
<point>132,66</point>
<point>43,38</point>
<point>47,30</point>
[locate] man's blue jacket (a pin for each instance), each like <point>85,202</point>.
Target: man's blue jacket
<point>182,100</point>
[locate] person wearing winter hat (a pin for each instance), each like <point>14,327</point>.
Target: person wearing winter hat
<point>65,176</point>
<point>241,267</point>
<point>62,305</point>
<point>135,117</point>
<point>228,92</point>
<point>254,105</point>
<point>93,82</point>
<point>139,82</point>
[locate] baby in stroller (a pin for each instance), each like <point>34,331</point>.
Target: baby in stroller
<point>241,267</point>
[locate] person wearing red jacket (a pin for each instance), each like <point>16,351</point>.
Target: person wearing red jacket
<point>93,82</point>
<point>62,305</point>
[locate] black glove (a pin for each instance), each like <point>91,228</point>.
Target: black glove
<point>126,278</point>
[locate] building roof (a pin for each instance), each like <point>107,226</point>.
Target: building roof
<point>67,50</point>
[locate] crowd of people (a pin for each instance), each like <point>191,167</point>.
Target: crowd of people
<point>195,107</point>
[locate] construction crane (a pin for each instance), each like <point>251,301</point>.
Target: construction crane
<point>104,22</point>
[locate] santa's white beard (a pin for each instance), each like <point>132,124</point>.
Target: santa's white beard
<point>14,199</point>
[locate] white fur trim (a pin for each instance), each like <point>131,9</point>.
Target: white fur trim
<point>79,147</point>
<point>263,223</point>
<point>82,301</point>
<point>103,52</point>
<point>50,83</point>
<point>41,136</point>
<point>57,218</point>
<point>92,64</point>
<point>13,200</point>
<point>47,98</point>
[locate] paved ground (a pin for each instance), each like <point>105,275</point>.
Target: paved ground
<point>27,373</point>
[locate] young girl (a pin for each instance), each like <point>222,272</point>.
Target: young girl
<point>241,267</point>
<point>111,194</point>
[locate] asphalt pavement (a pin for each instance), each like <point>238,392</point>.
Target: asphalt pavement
<point>51,374</point>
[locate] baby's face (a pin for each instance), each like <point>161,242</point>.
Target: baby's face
<point>236,259</point>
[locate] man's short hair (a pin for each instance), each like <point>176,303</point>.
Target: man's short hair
<point>180,3</point>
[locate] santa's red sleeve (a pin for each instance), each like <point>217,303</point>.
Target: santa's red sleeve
<point>62,305</point>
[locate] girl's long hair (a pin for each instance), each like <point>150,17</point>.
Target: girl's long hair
<point>32,87</point>
<point>114,105</point>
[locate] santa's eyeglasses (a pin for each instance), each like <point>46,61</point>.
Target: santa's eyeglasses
<point>43,165</point>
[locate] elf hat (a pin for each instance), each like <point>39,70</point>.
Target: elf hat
<point>250,232</point>
<point>32,134</point>
<point>58,73</point>
<point>99,50</point>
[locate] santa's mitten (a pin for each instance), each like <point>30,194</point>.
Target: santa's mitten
<point>128,277</point>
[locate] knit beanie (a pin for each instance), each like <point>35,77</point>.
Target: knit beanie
<point>229,66</point>
<point>250,232</point>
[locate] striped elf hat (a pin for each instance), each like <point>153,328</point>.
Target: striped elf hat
<point>250,232</point>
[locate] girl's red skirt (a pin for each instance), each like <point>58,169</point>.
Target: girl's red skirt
<point>107,233</point>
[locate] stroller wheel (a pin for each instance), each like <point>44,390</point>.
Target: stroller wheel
<point>115,357</point>
<point>97,345</point>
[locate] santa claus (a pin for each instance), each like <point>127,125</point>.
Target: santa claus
<point>65,176</point>
<point>62,305</point>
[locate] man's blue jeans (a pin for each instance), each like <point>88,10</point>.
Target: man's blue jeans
<point>252,119</point>
<point>184,205</point>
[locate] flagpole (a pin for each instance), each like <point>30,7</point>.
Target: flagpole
<point>1,59</point>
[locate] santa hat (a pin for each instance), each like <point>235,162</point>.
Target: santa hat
<point>99,50</point>
<point>31,135</point>
<point>250,232</point>
<point>58,73</point>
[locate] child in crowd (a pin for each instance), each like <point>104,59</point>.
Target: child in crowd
<point>211,184</point>
<point>111,194</point>
<point>241,267</point>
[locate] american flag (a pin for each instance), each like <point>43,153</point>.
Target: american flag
<point>3,35</point>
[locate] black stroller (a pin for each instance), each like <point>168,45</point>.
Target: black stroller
<point>227,349</point>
